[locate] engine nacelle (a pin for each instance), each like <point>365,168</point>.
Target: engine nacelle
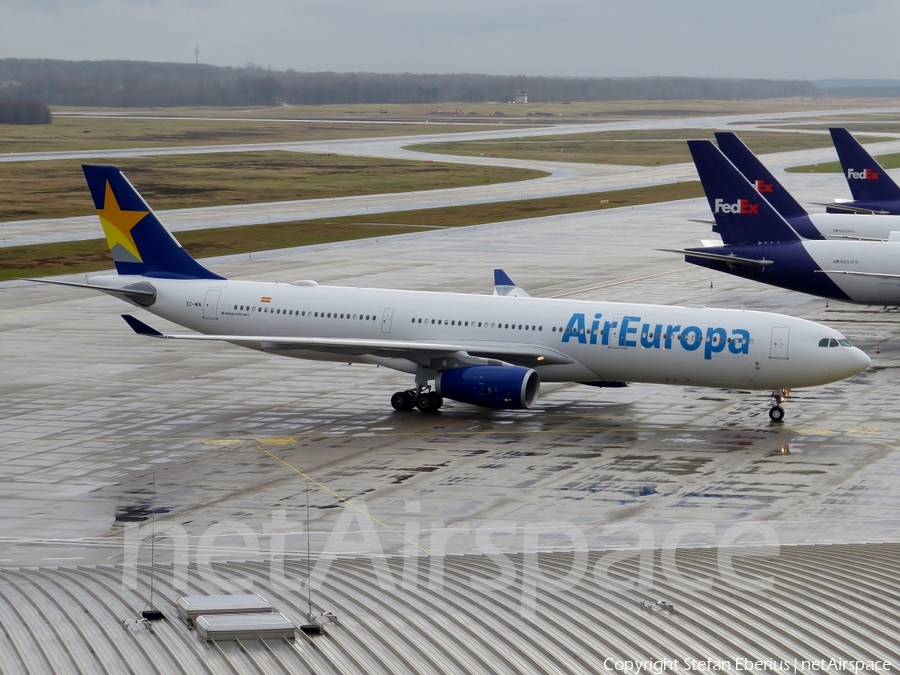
<point>503,387</point>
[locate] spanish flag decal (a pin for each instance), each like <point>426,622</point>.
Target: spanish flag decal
<point>265,299</point>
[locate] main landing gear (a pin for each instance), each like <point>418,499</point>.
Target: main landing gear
<point>776,412</point>
<point>426,401</point>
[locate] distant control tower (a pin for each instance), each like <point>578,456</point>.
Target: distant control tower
<point>196,54</point>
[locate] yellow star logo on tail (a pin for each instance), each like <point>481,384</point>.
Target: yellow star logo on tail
<point>117,224</point>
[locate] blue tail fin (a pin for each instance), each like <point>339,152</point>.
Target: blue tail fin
<point>742,215</point>
<point>868,181</point>
<point>140,244</point>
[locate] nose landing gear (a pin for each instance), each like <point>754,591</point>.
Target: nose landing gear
<point>776,412</point>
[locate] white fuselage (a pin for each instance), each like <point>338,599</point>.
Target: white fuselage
<point>855,225</point>
<point>859,258</point>
<point>617,342</point>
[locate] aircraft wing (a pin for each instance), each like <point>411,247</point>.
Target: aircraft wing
<point>730,259</point>
<point>418,352</point>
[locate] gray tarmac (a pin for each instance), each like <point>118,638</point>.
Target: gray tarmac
<point>237,441</point>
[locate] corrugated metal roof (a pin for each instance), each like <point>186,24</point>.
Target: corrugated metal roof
<point>835,601</point>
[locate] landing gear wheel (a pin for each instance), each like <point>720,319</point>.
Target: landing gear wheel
<point>776,413</point>
<point>402,401</point>
<point>429,402</point>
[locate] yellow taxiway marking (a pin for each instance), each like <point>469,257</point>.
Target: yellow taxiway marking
<point>339,497</point>
<point>241,440</point>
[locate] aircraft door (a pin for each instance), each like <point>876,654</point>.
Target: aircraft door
<point>778,348</point>
<point>386,320</point>
<point>615,324</point>
<point>211,305</point>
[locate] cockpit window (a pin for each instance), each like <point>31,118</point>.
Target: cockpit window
<point>831,342</point>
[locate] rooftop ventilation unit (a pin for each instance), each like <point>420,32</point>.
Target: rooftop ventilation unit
<point>191,607</point>
<point>244,626</point>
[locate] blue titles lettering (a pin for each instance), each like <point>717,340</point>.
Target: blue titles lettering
<point>575,329</point>
<point>740,341</point>
<point>648,342</point>
<point>690,338</point>
<point>715,341</point>
<point>626,329</point>
<point>670,333</point>
<point>595,326</point>
<point>654,337</point>
<point>607,329</point>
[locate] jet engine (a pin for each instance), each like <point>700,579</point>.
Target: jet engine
<point>503,387</point>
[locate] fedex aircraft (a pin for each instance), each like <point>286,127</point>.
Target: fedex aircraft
<point>759,244</point>
<point>807,225</point>
<point>872,189</point>
<point>486,350</point>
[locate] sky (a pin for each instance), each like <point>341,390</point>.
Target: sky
<point>781,39</point>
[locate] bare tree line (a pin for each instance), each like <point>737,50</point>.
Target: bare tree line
<point>136,83</point>
<point>16,111</point>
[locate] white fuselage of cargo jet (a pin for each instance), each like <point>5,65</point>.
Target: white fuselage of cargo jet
<point>563,340</point>
<point>855,225</point>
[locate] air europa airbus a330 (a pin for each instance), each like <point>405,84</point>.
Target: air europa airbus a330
<point>485,350</point>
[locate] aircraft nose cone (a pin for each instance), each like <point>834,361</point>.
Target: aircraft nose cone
<point>858,361</point>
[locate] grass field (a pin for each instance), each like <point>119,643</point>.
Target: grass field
<point>640,148</point>
<point>105,132</point>
<point>891,161</point>
<point>56,189</point>
<point>93,255</point>
<point>534,111</point>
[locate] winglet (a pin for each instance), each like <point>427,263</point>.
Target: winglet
<point>140,327</point>
<point>503,285</point>
<point>501,278</point>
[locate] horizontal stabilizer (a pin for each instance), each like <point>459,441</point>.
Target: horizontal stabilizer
<point>140,327</point>
<point>838,207</point>
<point>728,258</point>
<point>117,291</point>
